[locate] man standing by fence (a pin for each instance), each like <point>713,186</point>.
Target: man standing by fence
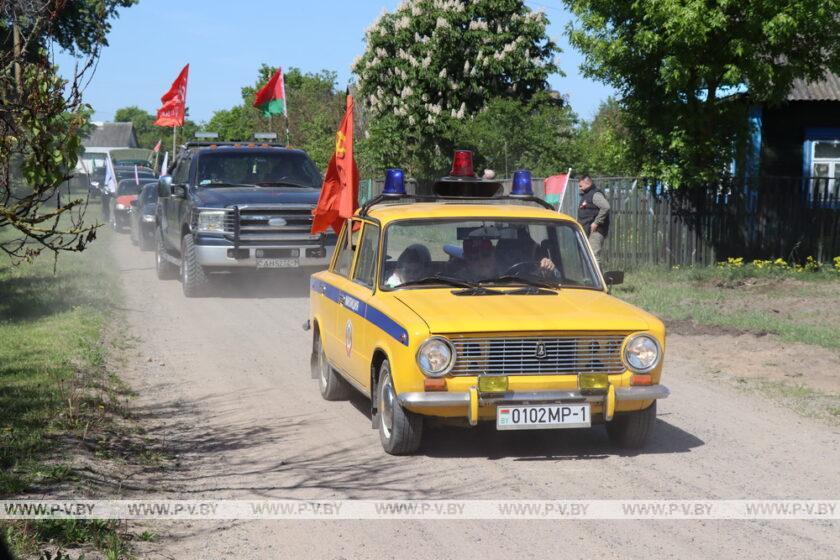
<point>593,214</point>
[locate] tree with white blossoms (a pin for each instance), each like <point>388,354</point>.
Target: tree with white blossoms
<point>432,65</point>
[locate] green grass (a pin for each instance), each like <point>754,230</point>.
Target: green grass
<point>54,386</point>
<point>798,307</point>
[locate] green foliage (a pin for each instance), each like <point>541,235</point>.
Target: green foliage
<point>432,65</point>
<point>604,143</point>
<point>510,134</point>
<point>687,70</point>
<point>314,105</point>
<point>148,134</point>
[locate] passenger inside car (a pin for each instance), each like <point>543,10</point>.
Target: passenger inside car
<point>413,264</point>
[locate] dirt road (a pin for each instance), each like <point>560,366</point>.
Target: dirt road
<point>224,385</point>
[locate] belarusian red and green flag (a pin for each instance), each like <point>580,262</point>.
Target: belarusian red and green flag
<point>271,99</point>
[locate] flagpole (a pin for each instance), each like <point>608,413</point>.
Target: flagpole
<point>174,137</point>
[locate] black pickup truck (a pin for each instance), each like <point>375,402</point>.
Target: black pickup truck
<point>233,207</point>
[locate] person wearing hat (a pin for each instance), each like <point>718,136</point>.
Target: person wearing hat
<point>593,214</point>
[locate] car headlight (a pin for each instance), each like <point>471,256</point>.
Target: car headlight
<point>95,184</point>
<point>211,221</point>
<point>641,353</point>
<point>435,357</point>
<point>120,206</point>
<point>148,217</point>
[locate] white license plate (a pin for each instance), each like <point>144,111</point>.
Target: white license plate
<point>543,417</point>
<point>278,263</point>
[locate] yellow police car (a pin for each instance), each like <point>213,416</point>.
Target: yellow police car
<point>471,306</point>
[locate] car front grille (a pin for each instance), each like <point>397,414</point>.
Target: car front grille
<point>281,224</point>
<point>545,355</point>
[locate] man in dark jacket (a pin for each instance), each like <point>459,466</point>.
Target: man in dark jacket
<point>593,214</point>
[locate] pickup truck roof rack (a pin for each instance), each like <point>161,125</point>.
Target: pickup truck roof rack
<point>383,199</point>
<point>245,144</point>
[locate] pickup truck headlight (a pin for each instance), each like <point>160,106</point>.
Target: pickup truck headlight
<point>641,353</point>
<point>211,221</point>
<point>436,357</point>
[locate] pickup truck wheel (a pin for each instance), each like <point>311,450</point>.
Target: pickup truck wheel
<point>165,269</point>
<point>193,278</point>
<point>333,387</point>
<point>631,430</point>
<point>400,430</point>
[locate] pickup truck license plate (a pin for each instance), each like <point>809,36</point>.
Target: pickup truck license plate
<point>278,263</point>
<point>543,417</point>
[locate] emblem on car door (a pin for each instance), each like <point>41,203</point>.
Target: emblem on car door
<point>277,222</point>
<point>540,352</point>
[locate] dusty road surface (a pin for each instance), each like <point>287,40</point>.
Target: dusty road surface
<point>224,387</point>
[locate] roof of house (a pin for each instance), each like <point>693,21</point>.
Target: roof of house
<point>827,89</point>
<point>112,135</point>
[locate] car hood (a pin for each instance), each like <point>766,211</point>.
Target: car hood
<point>570,310</point>
<point>221,197</point>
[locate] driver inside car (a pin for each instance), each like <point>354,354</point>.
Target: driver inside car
<point>517,255</point>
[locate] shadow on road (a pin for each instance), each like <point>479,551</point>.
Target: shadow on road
<point>260,285</point>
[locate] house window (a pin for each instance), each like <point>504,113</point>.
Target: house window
<point>825,168</point>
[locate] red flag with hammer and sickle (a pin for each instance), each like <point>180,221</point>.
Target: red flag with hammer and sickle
<point>340,192</point>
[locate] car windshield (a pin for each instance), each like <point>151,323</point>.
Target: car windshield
<point>128,187</point>
<point>491,251</point>
<point>280,169</point>
<point>93,161</point>
<point>149,193</point>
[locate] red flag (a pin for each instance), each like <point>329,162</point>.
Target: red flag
<point>340,192</point>
<point>157,147</point>
<point>171,113</point>
<point>555,188</point>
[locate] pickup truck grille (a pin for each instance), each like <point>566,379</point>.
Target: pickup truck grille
<point>550,355</point>
<point>281,224</point>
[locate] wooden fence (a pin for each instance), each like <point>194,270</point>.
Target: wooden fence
<point>787,217</point>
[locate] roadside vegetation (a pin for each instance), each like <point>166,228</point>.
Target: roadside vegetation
<point>57,399</point>
<point>730,308</point>
<point>799,304</point>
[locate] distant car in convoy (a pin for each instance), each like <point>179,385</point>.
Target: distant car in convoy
<point>136,174</point>
<point>142,217</point>
<point>237,207</point>
<point>466,309</point>
<point>127,191</point>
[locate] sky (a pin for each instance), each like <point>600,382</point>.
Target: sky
<point>225,42</point>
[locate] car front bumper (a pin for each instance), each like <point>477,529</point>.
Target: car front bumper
<point>221,256</point>
<point>476,405</point>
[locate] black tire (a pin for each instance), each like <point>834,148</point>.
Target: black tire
<point>165,269</point>
<point>193,278</point>
<point>631,430</point>
<point>405,432</point>
<point>333,387</point>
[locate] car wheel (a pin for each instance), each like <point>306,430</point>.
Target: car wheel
<point>631,430</point>
<point>333,387</point>
<point>165,269</point>
<point>400,430</point>
<point>193,278</point>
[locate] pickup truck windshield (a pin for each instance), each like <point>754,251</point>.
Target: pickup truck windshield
<point>487,252</point>
<point>238,168</point>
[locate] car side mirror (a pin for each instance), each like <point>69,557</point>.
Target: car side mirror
<point>614,277</point>
<point>164,186</point>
